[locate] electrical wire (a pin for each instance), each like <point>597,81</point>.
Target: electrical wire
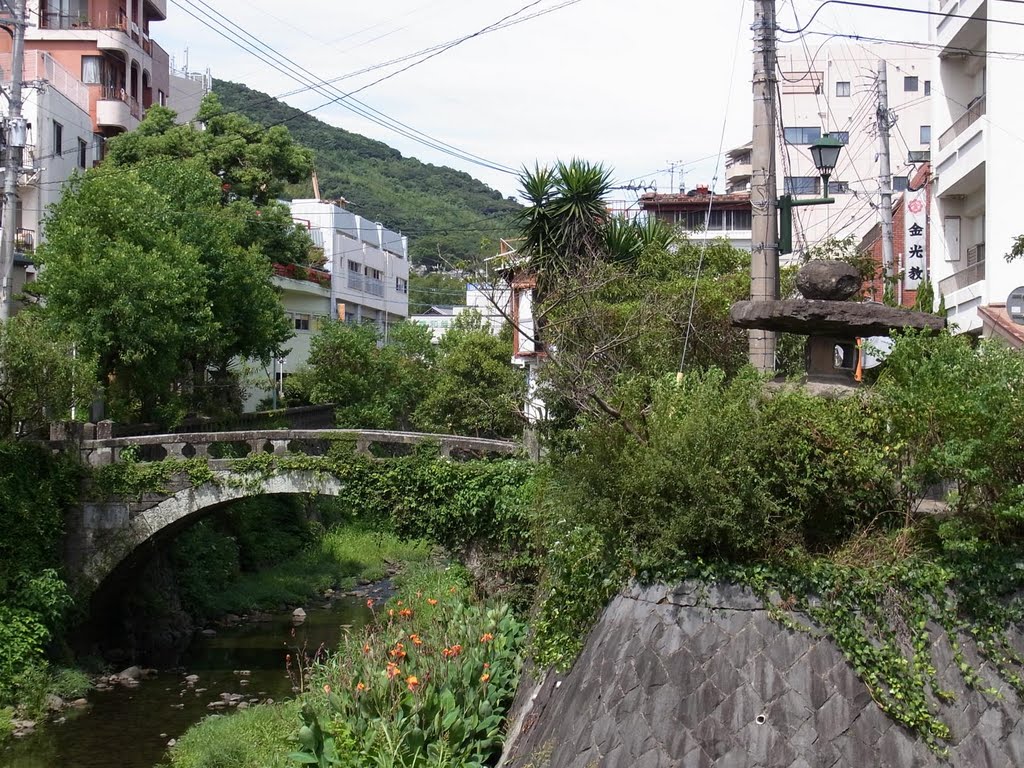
<point>252,45</point>
<point>711,200</point>
<point>919,11</point>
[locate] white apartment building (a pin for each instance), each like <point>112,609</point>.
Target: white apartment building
<point>977,116</point>
<point>832,89</point>
<point>369,264</point>
<point>493,303</point>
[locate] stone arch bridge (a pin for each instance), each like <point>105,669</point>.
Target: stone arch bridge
<point>103,534</point>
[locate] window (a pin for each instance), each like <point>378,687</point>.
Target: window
<point>900,183</point>
<point>839,187</point>
<point>927,87</point>
<point>83,153</point>
<point>354,266</point>
<point>926,134</point>
<point>802,185</point>
<point>92,68</point>
<point>843,136</point>
<point>910,84</point>
<point>58,138</point>
<point>161,98</point>
<point>802,135</point>
<point>301,322</point>
<point>843,88</point>
<point>402,286</point>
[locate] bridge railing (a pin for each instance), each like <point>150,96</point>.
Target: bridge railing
<point>218,447</point>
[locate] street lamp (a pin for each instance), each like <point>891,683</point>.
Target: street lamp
<point>825,153</point>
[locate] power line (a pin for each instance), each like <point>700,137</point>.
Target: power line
<point>275,59</point>
<point>919,11</point>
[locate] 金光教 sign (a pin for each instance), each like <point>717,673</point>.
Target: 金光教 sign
<point>915,223</point>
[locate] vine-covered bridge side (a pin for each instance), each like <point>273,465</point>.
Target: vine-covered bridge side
<point>103,533</point>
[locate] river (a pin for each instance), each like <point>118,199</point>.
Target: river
<point>130,728</point>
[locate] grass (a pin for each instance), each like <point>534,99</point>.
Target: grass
<point>259,737</point>
<point>340,558</point>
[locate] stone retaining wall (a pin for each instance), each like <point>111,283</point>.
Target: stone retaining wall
<point>698,676</point>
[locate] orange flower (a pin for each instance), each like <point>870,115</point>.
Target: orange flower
<point>405,613</point>
<point>452,590</point>
<point>327,688</point>
<point>451,653</point>
<point>366,647</point>
<point>391,612</point>
<point>432,601</point>
<point>486,637</point>
<point>360,687</point>
<point>398,603</point>
<point>392,671</point>
<point>413,682</point>
<point>487,666</point>
<point>398,652</point>
<point>484,677</point>
<point>369,603</point>
<point>416,639</point>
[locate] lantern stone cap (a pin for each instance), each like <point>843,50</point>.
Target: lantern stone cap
<point>844,319</point>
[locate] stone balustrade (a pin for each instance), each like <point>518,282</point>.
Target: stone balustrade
<point>98,448</point>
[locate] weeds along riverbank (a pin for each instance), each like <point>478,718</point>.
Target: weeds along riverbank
<point>429,682</point>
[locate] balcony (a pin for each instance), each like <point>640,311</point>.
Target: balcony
<point>101,20</point>
<point>158,9</point>
<point>974,111</point>
<point>355,281</point>
<point>973,273</point>
<point>112,111</point>
<point>375,287</point>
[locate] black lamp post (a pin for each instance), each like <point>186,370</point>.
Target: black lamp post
<point>825,153</point>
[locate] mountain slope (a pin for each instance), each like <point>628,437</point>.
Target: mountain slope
<point>442,210</point>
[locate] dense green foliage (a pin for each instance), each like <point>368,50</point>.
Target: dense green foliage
<point>35,488</point>
<point>42,376</point>
<point>465,385</point>
<point>450,217</point>
<point>473,389</point>
<point>146,258</point>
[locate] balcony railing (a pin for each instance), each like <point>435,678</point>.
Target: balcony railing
<point>375,287</point>
<point>355,281</point>
<point>100,20</point>
<point>965,121</point>
<point>974,273</point>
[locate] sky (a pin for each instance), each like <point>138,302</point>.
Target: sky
<point>637,85</point>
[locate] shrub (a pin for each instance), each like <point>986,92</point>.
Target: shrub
<point>430,684</point>
<point>253,738</point>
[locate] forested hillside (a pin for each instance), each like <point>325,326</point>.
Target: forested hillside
<point>443,211</point>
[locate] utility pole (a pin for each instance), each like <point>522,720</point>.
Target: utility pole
<point>764,256</point>
<point>884,123</point>
<point>15,136</point>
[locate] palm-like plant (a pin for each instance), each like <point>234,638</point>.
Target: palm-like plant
<point>563,224</point>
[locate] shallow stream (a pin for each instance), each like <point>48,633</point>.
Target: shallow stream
<point>130,727</point>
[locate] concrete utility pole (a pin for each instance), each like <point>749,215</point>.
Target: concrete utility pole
<point>885,179</point>
<point>15,135</point>
<point>764,256</point>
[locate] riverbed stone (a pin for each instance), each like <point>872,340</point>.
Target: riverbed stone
<point>132,673</point>
<point>54,703</point>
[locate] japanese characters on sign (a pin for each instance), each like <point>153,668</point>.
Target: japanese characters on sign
<point>915,222</point>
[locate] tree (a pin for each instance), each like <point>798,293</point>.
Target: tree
<point>143,268</point>
<point>42,375</point>
<point>252,165</point>
<point>475,389</point>
<point>619,300</point>
<point>375,386</point>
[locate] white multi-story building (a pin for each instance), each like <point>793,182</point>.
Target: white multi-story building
<point>369,264</point>
<point>832,89</point>
<point>977,116</point>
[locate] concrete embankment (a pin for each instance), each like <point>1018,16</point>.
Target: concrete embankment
<point>698,675</point>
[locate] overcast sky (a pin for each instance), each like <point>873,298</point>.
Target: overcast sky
<point>634,84</point>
